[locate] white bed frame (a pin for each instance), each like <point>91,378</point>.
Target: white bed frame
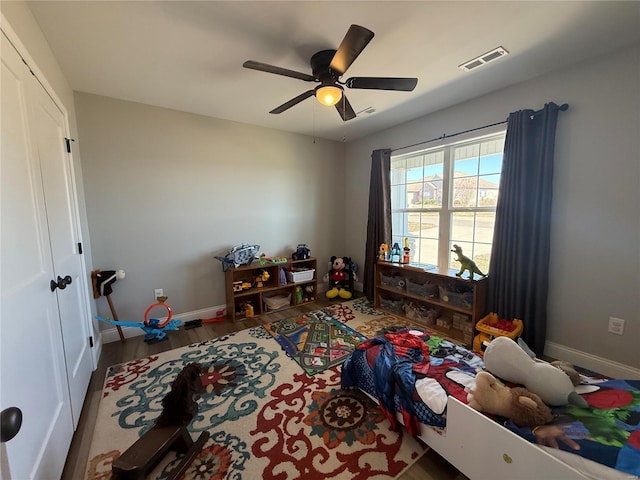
<point>482,449</point>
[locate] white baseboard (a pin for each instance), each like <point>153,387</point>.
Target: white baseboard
<point>111,334</point>
<point>591,362</point>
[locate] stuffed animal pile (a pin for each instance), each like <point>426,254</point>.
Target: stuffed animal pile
<point>509,361</point>
<point>542,383</point>
<point>517,404</point>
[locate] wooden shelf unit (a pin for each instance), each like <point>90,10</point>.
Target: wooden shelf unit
<point>399,296</point>
<point>256,295</point>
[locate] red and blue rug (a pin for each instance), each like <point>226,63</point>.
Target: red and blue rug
<point>267,418</point>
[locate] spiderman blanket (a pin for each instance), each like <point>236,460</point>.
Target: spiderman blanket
<point>608,430</point>
<point>412,373</point>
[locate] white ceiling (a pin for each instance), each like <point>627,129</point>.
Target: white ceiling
<point>188,55</point>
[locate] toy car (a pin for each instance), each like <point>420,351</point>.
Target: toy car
<point>302,252</point>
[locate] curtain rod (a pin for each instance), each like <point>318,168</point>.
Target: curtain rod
<point>564,107</point>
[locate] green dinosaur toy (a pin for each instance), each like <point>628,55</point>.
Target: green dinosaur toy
<point>466,263</point>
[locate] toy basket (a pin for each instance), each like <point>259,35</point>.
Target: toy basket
<point>395,282</point>
<point>394,306</point>
<point>300,275</point>
<point>277,302</point>
<point>463,299</point>
<point>487,325</point>
<point>422,290</point>
<point>488,330</point>
<point>421,313</point>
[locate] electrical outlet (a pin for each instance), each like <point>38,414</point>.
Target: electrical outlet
<point>616,325</point>
<point>158,292</point>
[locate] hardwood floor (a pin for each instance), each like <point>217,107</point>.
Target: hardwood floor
<point>430,467</point>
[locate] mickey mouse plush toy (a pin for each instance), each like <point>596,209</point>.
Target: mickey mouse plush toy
<point>340,278</point>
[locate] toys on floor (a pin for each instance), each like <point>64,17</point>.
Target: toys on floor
<point>219,316</point>
<point>193,324</point>
<point>102,282</point>
<point>155,330</point>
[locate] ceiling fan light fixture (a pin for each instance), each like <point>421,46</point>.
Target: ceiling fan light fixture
<point>328,95</point>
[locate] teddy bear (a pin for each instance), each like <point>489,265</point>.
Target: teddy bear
<point>518,404</point>
<point>340,278</point>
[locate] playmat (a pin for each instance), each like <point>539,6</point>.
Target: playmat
<point>315,340</point>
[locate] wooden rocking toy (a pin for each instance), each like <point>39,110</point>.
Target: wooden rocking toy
<point>169,432</point>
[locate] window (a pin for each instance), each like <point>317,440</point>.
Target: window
<point>447,195</point>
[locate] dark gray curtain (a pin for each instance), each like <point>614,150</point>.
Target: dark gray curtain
<point>519,268</point>
<point>379,222</point>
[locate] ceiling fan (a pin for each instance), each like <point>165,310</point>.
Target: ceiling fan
<point>327,66</point>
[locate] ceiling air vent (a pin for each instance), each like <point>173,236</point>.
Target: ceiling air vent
<point>483,59</point>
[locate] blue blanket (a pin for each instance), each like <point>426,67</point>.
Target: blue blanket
<point>608,430</point>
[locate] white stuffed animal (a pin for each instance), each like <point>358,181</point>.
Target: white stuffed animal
<point>507,360</point>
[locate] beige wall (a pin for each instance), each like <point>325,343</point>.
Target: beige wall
<point>595,238</point>
<point>167,190</point>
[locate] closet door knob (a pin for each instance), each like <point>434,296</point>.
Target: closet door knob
<point>61,283</point>
<point>10,423</point>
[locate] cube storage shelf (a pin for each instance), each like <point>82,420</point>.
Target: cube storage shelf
<point>445,304</point>
<point>247,284</point>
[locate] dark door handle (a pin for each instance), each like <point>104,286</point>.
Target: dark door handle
<point>61,283</point>
<point>10,423</point>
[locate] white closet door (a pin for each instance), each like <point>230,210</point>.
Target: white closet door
<point>49,138</point>
<point>33,371</point>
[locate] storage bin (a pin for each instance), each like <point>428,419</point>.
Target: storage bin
<point>464,299</point>
<point>394,306</point>
<point>444,322</point>
<point>421,313</point>
<point>422,290</point>
<point>299,276</point>
<point>276,302</point>
<point>392,281</point>
<point>463,323</point>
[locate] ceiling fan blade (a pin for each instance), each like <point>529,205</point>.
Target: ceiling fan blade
<point>353,43</point>
<point>263,67</point>
<point>382,83</point>
<point>345,109</point>
<point>293,101</point>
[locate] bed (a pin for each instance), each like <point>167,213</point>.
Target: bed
<point>421,385</point>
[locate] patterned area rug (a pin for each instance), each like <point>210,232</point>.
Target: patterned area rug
<point>315,340</point>
<point>267,418</point>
